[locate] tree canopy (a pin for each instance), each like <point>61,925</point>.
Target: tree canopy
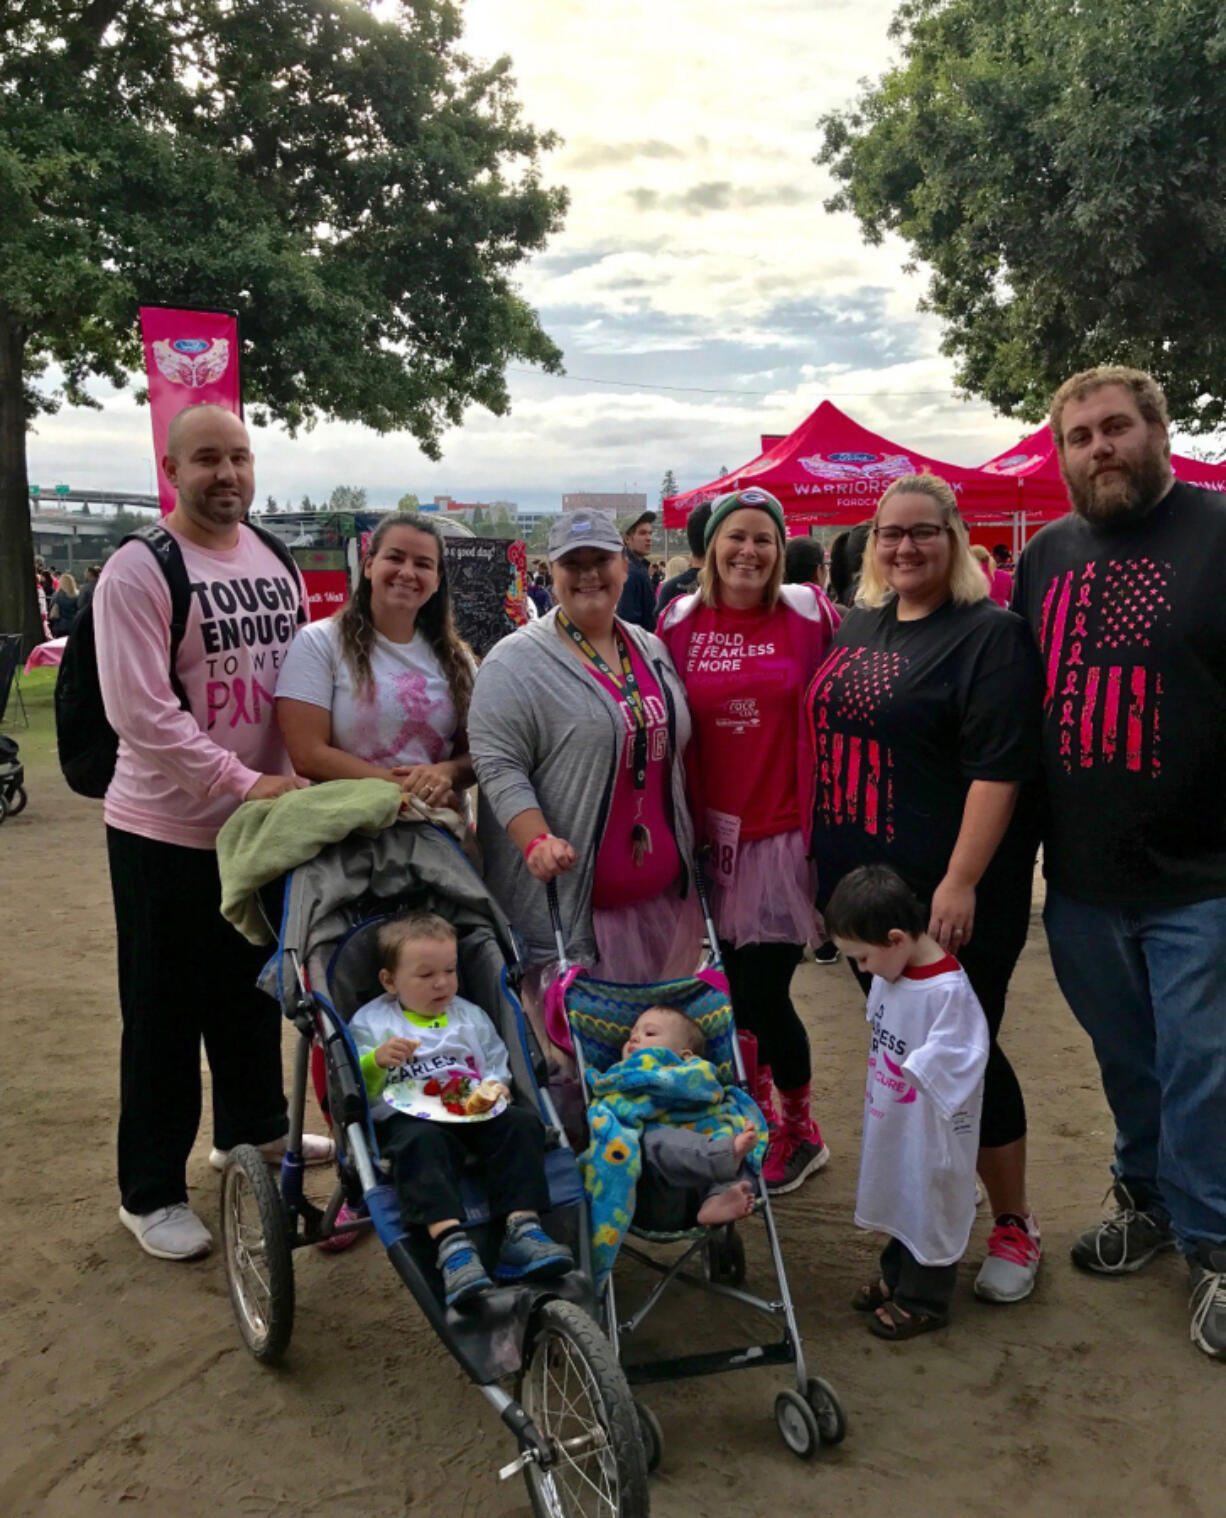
<point>1061,168</point>
<point>347,180</point>
<point>347,498</point>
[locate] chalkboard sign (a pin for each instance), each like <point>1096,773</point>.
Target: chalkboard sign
<point>488,581</point>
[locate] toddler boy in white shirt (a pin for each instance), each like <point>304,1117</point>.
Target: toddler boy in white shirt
<point>438,1077</point>
<point>922,1103</point>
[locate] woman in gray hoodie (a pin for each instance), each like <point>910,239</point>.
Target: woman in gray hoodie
<point>577,731</point>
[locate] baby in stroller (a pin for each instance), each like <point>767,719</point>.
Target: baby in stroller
<point>660,1119</point>
<point>438,1077</point>
<point>713,1163</point>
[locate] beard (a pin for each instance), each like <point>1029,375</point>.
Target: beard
<point>1122,493</point>
<point>217,510</point>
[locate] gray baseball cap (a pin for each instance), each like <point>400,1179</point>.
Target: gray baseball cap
<point>583,529</point>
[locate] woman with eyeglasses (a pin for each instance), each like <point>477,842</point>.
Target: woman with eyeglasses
<point>923,728</point>
<point>746,646</point>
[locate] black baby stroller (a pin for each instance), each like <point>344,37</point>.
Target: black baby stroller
<point>12,779</point>
<point>565,1398</point>
<point>599,1015</point>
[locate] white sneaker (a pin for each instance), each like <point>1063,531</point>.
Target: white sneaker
<point>1009,1272</point>
<point>316,1150</point>
<point>169,1233</point>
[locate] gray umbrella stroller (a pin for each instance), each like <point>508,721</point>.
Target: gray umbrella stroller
<point>594,1018</point>
<point>535,1350</point>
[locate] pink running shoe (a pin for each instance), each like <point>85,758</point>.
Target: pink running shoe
<point>791,1158</point>
<point>340,1241</point>
<point>1014,1251</point>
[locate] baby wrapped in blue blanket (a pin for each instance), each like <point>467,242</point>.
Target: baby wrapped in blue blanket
<point>663,1103</point>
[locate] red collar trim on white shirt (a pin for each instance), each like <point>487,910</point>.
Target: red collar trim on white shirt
<point>926,972</point>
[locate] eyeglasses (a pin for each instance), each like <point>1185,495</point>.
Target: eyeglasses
<point>922,532</point>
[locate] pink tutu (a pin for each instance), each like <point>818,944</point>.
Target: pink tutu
<point>770,898</point>
<point>656,939</point>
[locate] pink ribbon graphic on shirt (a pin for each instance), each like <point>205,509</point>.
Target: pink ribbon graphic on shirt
<point>897,1070</point>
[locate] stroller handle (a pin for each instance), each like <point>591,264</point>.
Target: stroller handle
<point>555,917</point>
<point>700,886</point>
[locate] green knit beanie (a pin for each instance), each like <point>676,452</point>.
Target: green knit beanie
<point>752,497</point>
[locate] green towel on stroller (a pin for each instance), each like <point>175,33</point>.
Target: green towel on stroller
<point>653,1086</point>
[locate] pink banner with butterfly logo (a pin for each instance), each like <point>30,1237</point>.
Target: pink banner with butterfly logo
<point>191,358</point>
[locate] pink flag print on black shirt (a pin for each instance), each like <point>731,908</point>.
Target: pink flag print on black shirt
<point>1097,623</point>
<point>855,773</point>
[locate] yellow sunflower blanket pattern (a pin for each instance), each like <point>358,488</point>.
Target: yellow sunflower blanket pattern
<point>654,1086</point>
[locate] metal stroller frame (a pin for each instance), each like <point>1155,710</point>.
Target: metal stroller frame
<point>809,1417</point>
<point>579,1445</point>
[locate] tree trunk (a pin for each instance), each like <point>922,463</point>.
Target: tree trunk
<point>18,598</point>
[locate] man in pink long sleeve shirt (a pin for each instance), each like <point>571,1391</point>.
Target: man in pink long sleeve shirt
<point>184,972</point>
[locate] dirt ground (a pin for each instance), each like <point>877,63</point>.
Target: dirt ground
<point>127,1389</point>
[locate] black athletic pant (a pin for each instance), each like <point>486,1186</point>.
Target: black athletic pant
<point>760,978</point>
<point>185,974</point>
<point>916,1287</point>
<point>427,1159</point>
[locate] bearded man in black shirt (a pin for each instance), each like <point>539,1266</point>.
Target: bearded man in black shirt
<point>1126,599</point>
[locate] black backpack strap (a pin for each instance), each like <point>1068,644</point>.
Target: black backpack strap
<point>164,547</point>
<point>272,541</point>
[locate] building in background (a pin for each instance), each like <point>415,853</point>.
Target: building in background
<point>499,514</point>
<point>529,521</point>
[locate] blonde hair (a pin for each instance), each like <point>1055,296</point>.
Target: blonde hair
<point>967,582</point>
<point>981,555</point>
<point>392,935</point>
<point>1144,389</point>
<point>677,565</point>
<point>708,575</point>
<point>68,584</point>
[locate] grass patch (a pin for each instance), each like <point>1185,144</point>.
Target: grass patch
<point>37,742</point>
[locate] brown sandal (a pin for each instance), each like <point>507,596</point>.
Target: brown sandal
<point>869,1298</point>
<point>904,1325</point>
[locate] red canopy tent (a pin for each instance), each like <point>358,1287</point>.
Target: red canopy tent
<point>830,470</point>
<point>1034,464</point>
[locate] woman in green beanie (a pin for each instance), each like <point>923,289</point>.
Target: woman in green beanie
<point>746,647</point>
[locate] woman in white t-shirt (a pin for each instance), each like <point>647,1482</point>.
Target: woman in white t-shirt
<point>382,688</point>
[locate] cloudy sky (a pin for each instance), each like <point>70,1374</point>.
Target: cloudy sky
<point>699,292</point>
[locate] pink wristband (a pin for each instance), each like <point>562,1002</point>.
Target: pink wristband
<point>540,838</point>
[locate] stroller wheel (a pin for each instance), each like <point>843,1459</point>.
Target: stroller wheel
<point>724,1257</point>
<point>831,1419</point>
<point>4,807</point>
<point>17,801</point>
<point>652,1436</point>
<point>255,1239</point>
<point>573,1389</point>
<point>797,1423</point>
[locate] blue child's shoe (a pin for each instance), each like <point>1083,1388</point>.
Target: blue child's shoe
<point>527,1250</point>
<point>460,1265</point>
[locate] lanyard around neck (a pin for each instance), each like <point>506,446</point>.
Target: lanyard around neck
<point>627,686</point>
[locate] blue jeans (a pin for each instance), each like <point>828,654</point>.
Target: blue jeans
<point>1148,984</point>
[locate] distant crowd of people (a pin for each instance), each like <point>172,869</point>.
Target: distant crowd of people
<point>60,599</point>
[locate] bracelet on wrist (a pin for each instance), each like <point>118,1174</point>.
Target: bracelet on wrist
<point>540,838</point>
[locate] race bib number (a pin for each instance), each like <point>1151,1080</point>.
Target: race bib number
<point>724,836</point>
